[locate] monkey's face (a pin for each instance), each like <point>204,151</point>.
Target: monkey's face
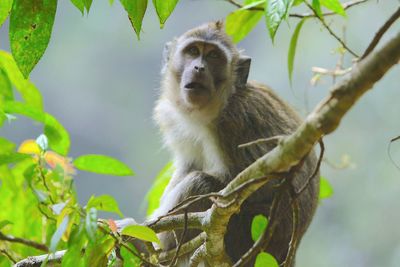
<point>203,69</point>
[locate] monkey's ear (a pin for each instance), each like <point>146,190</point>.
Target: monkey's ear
<point>167,55</point>
<point>242,71</point>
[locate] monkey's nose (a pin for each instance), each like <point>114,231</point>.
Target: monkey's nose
<point>199,68</point>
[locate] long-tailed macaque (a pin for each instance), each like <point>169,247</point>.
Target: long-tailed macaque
<point>205,111</point>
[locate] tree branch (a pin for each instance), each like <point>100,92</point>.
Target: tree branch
<point>346,5</point>
<point>23,241</point>
<point>380,33</point>
<point>289,152</point>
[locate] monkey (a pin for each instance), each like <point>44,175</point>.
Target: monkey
<point>206,109</point>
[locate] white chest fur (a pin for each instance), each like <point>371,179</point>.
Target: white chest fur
<point>191,139</point>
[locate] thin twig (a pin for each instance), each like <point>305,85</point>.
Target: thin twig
<point>317,167</point>
<point>321,19</point>
<point>389,152</point>
<point>294,238</point>
<point>300,16</point>
<point>8,255</point>
<point>380,33</point>
<point>23,241</point>
<point>178,248</point>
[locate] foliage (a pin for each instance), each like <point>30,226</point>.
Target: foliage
<point>39,201</point>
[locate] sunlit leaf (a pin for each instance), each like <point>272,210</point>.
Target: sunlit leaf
<point>130,259</point>
<point>325,188</point>
<point>91,224</point>
<point>292,48</point>
<point>28,91</point>
<point>6,92</point>
<point>249,4</point>
<point>79,4</point>
<point>99,254</point>
<point>334,5</point>
<point>141,232</point>
<point>297,2</point>
<point>29,147</point>
<point>31,23</point>
<point>76,243</point>
<point>258,226</point>
<point>88,4</point>
<point>317,7</point>
<point>265,260</point>
<point>5,8</point>
<point>4,223</point>
<point>59,140</point>
<point>136,10</point>
<point>12,157</point>
<point>104,203</point>
<point>55,239</point>
<point>241,22</point>
<point>102,164</point>
<point>58,137</point>
<point>275,12</point>
<point>6,146</point>
<point>164,9</point>
<point>160,183</point>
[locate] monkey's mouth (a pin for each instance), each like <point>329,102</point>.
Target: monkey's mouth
<point>194,86</point>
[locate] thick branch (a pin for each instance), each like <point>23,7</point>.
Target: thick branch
<point>38,260</point>
<point>289,152</point>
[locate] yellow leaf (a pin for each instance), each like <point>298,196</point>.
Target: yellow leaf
<point>29,147</point>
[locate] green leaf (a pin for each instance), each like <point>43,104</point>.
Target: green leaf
<point>88,4</point>
<point>292,48</point>
<point>325,188</point>
<point>6,92</point>
<point>265,260</point>
<point>164,9</point>
<point>130,259</point>
<point>29,93</point>
<point>6,146</point>
<point>76,243</point>
<point>99,254</point>
<point>104,203</point>
<point>317,7</point>
<point>102,164</point>
<point>297,2</point>
<point>275,12</point>
<point>258,226</point>
<point>252,4</point>
<point>91,224</point>
<point>13,157</point>
<point>55,239</point>
<point>79,4</point>
<point>141,232</point>
<point>59,140</point>
<point>241,22</point>
<point>4,223</point>
<point>334,5</point>
<point>5,8</point>
<point>160,183</point>
<point>31,23</point>
<point>136,10</point>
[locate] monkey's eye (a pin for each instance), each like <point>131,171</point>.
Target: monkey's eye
<point>193,51</point>
<point>214,54</point>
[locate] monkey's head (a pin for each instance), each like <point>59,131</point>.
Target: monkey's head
<point>203,67</point>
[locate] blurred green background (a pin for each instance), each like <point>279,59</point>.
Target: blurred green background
<point>101,83</point>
